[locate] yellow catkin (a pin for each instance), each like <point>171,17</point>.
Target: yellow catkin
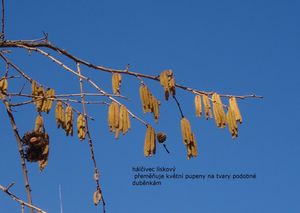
<point>50,93</point>
<point>233,104</point>
<point>39,123</point>
<point>3,87</point>
<point>207,107</point>
<point>167,82</point>
<point>142,96</point>
<point>116,83</point>
<point>186,130</point>
<point>219,113</point>
<point>215,110</point>
<point>40,100</point>
<point>163,78</point>
<point>33,87</point>
<point>3,84</point>
<point>69,121</point>
<point>34,90</point>
<point>232,125</point>
<point>188,138</point>
<point>145,98</point>
<point>113,116</point>
<point>155,109</point>
<point>198,105</point>
<point>81,129</point>
<point>149,102</point>
<point>192,148</point>
<point>43,163</point>
<point>150,142</point>
<point>60,115</point>
<point>124,120</point>
<point>171,82</point>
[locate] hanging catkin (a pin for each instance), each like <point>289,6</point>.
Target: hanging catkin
<point>207,107</point>
<point>50,93</point>
<point>149,102</point>
<point>188,138</point>
<point>116,83</point>
<point>198,105</point>
<point>192,148</point>
<point>145,98</point>
<point>69,121</point>
<point>168,83</point>
<point>3,87</point>
<point>39,124</point>
<point>60,115</point>
<point>231,121</point>
<point>234,106</point>
<point>124,120</point>
<point>81,127</point>
<point>113,116</point>
<point>150,142</point>
<point>219,113</point>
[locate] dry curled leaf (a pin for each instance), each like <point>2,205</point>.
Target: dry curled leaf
<point>97,197</point>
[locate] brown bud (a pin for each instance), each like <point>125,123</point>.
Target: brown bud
<point>161,137</point>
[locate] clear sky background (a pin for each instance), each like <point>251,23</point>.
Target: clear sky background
<point>232,47</point>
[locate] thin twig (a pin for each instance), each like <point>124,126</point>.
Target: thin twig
<point>23,203</point>
<point>37,97</point>
<point>19,143</point>
<point>2,22</point>
<point>96,171</point>
<point>16,68</point>
<point>178,105</point>
<point>164,145</point>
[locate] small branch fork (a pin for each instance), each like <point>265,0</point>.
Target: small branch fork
<point>14,197</point>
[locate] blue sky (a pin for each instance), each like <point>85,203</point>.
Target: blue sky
<point>232,47</point>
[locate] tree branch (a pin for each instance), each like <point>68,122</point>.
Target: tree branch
<point>2,37</point>
<point>47,44</point>
<point>19,142</point>
<point>23,203</point>
<point>96,171</point>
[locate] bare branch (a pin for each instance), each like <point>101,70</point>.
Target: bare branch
<point>2,36</point>
<point>19,143</point>
<point>96,171</point>
<point>46,44</point>
<point>23,203</point>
